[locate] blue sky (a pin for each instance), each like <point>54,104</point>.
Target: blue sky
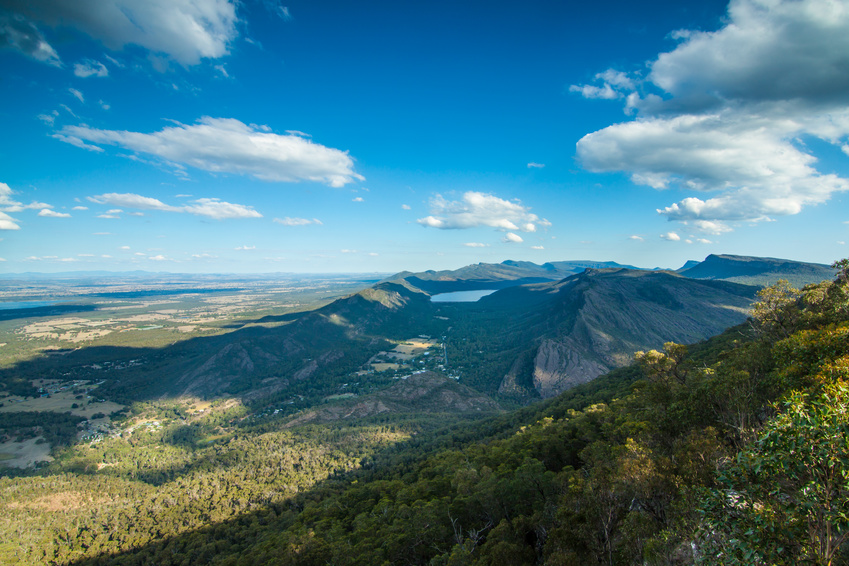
<point>260,136</point>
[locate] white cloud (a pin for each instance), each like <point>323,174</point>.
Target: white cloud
<point>734,104</point>
<point>245,248</point>
<point>296,221</point>
<point>223,70</point>
<point>108,216</point>
<point>537,248</point>
<point>533,165</point>
<point>158,257</point>
<point>48,119</point>
<point>184,30</point>
<point>358,199</point>
<point>224,145</point>
<point>53,214</point>
<point>220,210</point>
<point>635,237</point>
<point>511,237</point>
<point>671,236</point>
<point>77,94</point>
<point>73,140</point>
<point>80,208</point>
<point>613,85</point>
<point>209,207</point>
<point>130,200</point>
<point>604,92</point>
<point>274,7</point>
<point>481,209</point>
<point>8,223</point>
<point>18,33</point>
<point>89,68</point>
<point>474,245</point>
<point>8,204</point>
<point>703,241</point>
<point>405,207</point>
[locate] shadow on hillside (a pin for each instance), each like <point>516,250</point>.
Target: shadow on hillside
<point>270,319</point>
<point>130,373</point>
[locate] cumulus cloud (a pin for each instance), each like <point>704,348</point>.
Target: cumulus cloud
<point>358,199</point>
<point>183,30</point>
<point>728,110</point>
<point>209,207</point>
<point>612,84</point>
<point>9,204</point>
<point>220,210</point>
<point>53,214</point>
<point>20,34</point>
<point>405,207</point>
<point>8,223</point>
<point>511,237</point>
<point>671,236</point>
<point>297,221</point>
<point>89,68</point>
<point>477,209</point>
<point>226,145</point>
<point>474,245</point>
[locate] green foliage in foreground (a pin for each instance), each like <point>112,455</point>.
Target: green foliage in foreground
<point>729,452</point>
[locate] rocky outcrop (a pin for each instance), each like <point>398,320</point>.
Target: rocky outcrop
<point>560,365</point>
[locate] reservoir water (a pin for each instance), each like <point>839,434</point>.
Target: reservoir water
<point>461,296</point>
<point>9,305</point>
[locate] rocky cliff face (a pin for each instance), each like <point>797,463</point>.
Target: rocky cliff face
<point>560,365</point>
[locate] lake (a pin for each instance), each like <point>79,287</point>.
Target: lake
<point>461,296</point>
<point>9,305</point>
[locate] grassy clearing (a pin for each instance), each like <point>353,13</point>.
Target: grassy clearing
<point>24,454</point>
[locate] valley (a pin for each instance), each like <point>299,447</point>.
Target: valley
<point>217,440</point>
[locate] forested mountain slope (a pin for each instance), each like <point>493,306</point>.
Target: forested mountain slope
<point>732,451</point>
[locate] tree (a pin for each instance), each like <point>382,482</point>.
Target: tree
<point>786,499</point>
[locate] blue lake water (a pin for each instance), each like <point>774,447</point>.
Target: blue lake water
<point>461,296</point>
<point>25,304</point>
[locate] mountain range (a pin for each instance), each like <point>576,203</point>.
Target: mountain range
<point>543,329</point>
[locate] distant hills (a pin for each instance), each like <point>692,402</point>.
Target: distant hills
<point>545,329</point>
<point>525,340</point>
<point>498,275</point>
<point>757,270</point>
